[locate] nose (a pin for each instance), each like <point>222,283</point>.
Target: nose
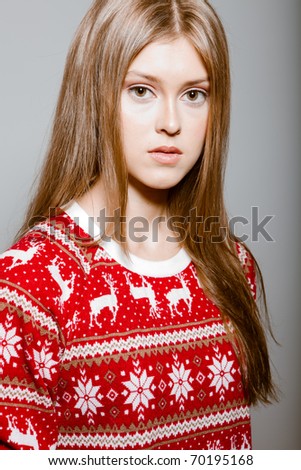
<point>168,119</point>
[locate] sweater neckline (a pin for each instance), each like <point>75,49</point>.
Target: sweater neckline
<point>145,267</point>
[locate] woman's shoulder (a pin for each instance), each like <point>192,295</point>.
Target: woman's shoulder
<point>23,253</point>
<point>51,249</point>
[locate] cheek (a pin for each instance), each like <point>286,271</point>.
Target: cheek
<point>194,120</point>
<point>196,133</point>
<point>136,135</point>
<point>132,133</point>
<point>133,113</point>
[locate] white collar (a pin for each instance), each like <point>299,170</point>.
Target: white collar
<point>141,266</point>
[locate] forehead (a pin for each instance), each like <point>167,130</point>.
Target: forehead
<point>163,59</point>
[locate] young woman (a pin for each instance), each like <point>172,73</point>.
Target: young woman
<point>128,309</point>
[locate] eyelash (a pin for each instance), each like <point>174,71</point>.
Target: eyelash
<point>132,91</point>
<point>136,88</point>
<point>203,93</point>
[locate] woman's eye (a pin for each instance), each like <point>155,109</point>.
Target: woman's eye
<point>195,96</point>
<point>140,92</point>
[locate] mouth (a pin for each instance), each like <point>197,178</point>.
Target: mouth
<point>166,155</point>
<point>167,150</point>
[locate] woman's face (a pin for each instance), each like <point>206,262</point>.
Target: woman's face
<point>164,113</point>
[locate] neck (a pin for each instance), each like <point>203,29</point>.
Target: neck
<point>146,202</point>
<point>142,202</point>
<point>146,217</point>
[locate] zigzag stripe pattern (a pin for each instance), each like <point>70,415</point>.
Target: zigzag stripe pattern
<point>147,341</point>
<point>66,241</point>
<point>102,254</point>
<point>149,437</point>
<point>25,305</point>
<point>17,394</point>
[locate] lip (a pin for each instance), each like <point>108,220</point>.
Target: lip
<point>166,155</point>
<point>165,149</point>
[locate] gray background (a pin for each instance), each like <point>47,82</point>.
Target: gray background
<point>264,160</point>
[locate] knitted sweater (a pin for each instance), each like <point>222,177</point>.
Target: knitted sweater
<point>98,351</point>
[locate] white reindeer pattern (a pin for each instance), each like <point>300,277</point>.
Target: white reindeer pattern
<point>145,291</point>
<point>20,257</point>
<point>194,274</point>
<point>67,285</point>
<point>244,445</point>
<point>106,300</point>
<point>214,445</point>
<point>179,293</point>
<point>28,438</point>
<point>71,323</point>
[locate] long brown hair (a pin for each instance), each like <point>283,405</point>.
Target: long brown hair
<point>86,142</point>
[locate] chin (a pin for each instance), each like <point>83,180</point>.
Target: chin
<point>163,185</point>
<point>156,182</point>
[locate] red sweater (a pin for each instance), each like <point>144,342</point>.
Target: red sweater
<point>97,352</point>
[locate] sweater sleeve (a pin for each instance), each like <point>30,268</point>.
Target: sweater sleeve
<point>30,349</point>
<point>248,265</point>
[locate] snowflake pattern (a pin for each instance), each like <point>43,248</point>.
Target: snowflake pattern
<point>139,387</point>
<point>8,342</point>
<point>221,373</point>
<point>181,385</point>
<point>88,397</point>
<point>44,363</point>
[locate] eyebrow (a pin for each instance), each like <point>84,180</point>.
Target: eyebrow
<point>151,78</point>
